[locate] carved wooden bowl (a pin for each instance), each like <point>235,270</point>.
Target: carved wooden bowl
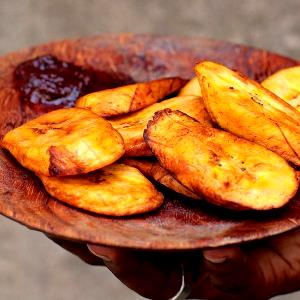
<point>180,223</point>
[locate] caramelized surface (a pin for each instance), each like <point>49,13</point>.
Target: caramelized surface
<point>65,142</point>
<point>245,108</point>
<point>116,190</point>
<point>286,85</point>
<point>132,126</point>
<point>129,98</point>
<point>152,169</point>
<point>226,170</point>
<point>192,88</point>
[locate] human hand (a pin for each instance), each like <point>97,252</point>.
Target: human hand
<point>79,250</point>
<point>163,276</point>
<point>154,275</point>
<point>255,271</point>
<point>258,270</point>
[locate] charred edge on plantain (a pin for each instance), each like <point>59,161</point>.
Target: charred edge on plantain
<point>56,167</point>
<point>39,131</point>
<point>157,115</point>
<point>97,179</point>
<point>256,100</point>
<point>54,170</point>
<point>133,99</point>
<point>227,184</point>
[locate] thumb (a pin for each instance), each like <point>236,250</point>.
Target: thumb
<point>152,275</point>
<point>107,254</point>
<point>227,268</point>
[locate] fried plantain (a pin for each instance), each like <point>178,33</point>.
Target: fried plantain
<point>246,109</point>
<point>116,190</point>
<point>65,142</point>
<point>131,127</point>
<point>152,169</point>
<point>226,170</point>
<point>298,174</point>
<point>130,98</point>
<point>192,88</point>
<point>286,85</point>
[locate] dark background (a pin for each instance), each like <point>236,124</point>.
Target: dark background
<point>33,268</point>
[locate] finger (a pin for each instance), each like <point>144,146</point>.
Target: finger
<point>152,275</point>
<point>107,254</point>
<point>227,268</point>
<point>224,259</point>
<point>203,288</point>
<point>80,250</point>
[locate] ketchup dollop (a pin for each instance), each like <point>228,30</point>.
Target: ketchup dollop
<point>48,80</point>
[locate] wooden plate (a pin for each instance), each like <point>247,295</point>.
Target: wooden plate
<point>180,223</point>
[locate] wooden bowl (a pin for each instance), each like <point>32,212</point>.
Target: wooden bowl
<point>180,224</point>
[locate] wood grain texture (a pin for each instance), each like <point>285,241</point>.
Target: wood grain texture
<point>180,223</point>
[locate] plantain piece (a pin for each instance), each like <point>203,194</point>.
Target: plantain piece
<point>192,88</point>
<point>152,169</point>
<point>246,109</point>
<point>226,170</point>
<point>131,127</point>
<point>65,142</point>
<point>286,85</point>
<point>298,174</point>
<point>116,190</point>
<point>130,98</point>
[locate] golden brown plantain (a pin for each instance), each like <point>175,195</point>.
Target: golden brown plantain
<point>65,142</point>
<point>246,109</point>
<point>129,98</point>
<point>131,127</point>
<point>226,170</point>
<point>298,174</point>
<point>286,85</point>
<point>152,169</point>
<point>192,88</point>
<point>116,190</point>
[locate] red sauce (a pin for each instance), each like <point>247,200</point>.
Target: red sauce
<point>47,80</point>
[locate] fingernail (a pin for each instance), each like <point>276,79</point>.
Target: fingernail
<point>214,260</point>
<point>101,255</point>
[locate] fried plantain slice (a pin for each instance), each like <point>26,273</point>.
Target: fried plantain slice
<point>131,127</point>
<point>129,98</point>
<point>116,190</point>
<point>152,169</point>
<point>65,142</point>
<point>192,88</point>
<point>246,109</point>
<point>226,170</point>
<point>298,174</point>
<point>286,85</point>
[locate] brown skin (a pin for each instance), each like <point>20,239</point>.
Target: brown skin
<point>255,271</point>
